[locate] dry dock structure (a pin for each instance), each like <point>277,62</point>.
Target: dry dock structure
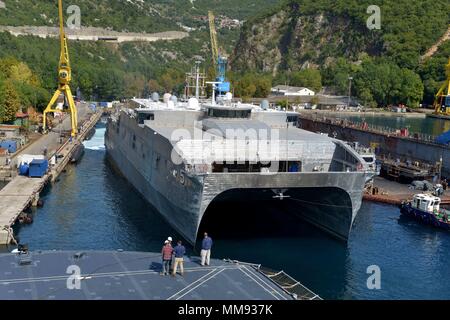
<point>416,147</point>
<point>21,192</point>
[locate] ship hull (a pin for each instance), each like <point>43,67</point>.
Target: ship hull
<point>327,205</point>
<point>182,220</point>
<point>328,200</point>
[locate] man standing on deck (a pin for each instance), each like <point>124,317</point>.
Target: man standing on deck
<point>171,260</point>
<point>166,252</point>
<point>179,251</point>
<point>206,249</point>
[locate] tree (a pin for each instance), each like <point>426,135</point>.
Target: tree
<point>250,85</point>
<point>384,83</point>
<point>154,86</point>
<point>20,72</point>
<point>134,85</point>
<point>411,88</point>
<point>10,103</point>
<point>263,86</point>
<point>309,78</point>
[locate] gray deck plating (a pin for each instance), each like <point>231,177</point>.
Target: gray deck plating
<point>129,275</point>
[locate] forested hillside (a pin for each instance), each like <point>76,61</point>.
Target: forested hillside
<point>331,36</point>
<point>129,15</point>
<point>110,71</point>
<point>310,43</point>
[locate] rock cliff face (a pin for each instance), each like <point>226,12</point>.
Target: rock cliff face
<point>290,39</point>
<point>299,33</point>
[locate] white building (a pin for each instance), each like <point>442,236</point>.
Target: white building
<point>291,91</point>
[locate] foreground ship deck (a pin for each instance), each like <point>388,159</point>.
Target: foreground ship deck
<point>115,275</point>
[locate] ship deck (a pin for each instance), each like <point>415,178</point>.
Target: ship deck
<point>117,275</point>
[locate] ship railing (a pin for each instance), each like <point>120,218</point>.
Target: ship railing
<point>282,280</point>
<point>385,130</point>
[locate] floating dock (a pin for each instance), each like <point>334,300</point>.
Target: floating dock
<point>116,275</point>
<point>415,147</point>
<point>22,192</point>
<point>394,193</point>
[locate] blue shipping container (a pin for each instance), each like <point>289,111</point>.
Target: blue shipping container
<point>38,168</point>
<point>9,145</point>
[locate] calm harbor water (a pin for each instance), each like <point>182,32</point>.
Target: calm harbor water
<point>430,126</point>
<point>91,207</point>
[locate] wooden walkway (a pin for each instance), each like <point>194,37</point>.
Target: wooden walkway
<point>15,197</point>
<point>22,191</point>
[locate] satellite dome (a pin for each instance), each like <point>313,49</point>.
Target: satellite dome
<point>166,97</point>
<point>228,96</point>
<point>155,96</point>
<point>193,104</point>
<point>265,104</point>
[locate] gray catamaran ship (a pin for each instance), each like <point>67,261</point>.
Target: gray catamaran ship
<point>183,156</point>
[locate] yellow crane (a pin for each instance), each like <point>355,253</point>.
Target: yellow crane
<point>442,100</point>
<point>64,78</point>
<point>213,35</point>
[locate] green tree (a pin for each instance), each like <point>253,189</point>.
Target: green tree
<point>309,78</point>
<point>411,88</point>
<point>9,103</point>
<point>134,85</point>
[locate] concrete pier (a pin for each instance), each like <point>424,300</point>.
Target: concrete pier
<point>21,192</point>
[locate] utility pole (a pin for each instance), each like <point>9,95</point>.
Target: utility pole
<point>349,90</point>
<point>287,142</point>
<point>197,71</point>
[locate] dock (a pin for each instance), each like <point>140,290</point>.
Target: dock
<point>118,275</point>
<point>22,192</point>
<point>394,193</point>
<point>400,144</point>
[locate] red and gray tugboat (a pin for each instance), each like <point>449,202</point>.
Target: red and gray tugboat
<point>426,208</point>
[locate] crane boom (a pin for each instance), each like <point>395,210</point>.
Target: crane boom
<point>64,55</point>
<point>442,100</point>
<point>213,34</point>
<point>218,59</point>
<point>64,79</point>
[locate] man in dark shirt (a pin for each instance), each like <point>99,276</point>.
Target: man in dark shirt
<point>206,249</point>
<point>179,252</point>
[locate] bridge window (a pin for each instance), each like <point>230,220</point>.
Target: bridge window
<point>292,119</point>
<point>145,116</point>
<point>229,113</point>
